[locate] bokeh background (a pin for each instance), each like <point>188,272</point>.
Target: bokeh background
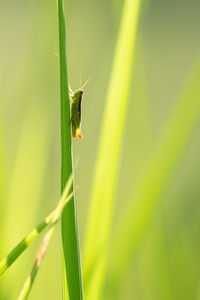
<point>166,262</point>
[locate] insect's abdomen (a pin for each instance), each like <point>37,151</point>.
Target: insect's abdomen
<point>76,133</point>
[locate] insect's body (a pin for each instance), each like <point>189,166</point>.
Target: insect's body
<point>76,113</point>
<point>76,98</point>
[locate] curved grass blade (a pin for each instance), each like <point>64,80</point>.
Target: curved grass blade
<point>19,249</point>
<point>43,248</point>
<point>154,180</point>
<point>31,277</point>
<point>98,229</point>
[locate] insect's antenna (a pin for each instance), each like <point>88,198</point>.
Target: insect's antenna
<point>80,79</point>
<point>85,83</point>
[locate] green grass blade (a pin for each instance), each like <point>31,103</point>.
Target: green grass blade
<point>154,180</point>
<point>43,248</point>
<point>27,158</point>
<point>31,277</point>
<point>19,249</point>
<point>3,175</point>
<point>100,216</point>
<point>69,225</point>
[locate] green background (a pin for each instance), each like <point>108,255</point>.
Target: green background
<point>165,264</point>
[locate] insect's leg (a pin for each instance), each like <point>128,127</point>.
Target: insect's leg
<point>70,90</point>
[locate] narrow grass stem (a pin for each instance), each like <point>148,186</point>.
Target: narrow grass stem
<point>31,277</point>
<point>43,248</point>
<point>25,242</point>
<point>19,249</point>
<point>72,276</point>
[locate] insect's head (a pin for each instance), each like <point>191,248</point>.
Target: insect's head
<point>78,93</point>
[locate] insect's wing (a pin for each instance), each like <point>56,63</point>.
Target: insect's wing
<point>73,130</point>
<point>76,133</point>
<point>79,106</point>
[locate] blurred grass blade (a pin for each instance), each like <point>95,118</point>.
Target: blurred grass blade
<point>139,139</point>
<point>26,175</point>
<point>106,172</point>
<point>19,249</point>
<point>70,242</point>
<point>40,255</point>
<point>3,175</point>
<point>31,278</point>
<point>28,159</point>
<point>154,180</point>
<point>3,187</point>
<point>184,260</point>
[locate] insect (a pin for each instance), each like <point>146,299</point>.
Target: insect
<point>76,100</point>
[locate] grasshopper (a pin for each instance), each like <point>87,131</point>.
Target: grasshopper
<point>75,118</point>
